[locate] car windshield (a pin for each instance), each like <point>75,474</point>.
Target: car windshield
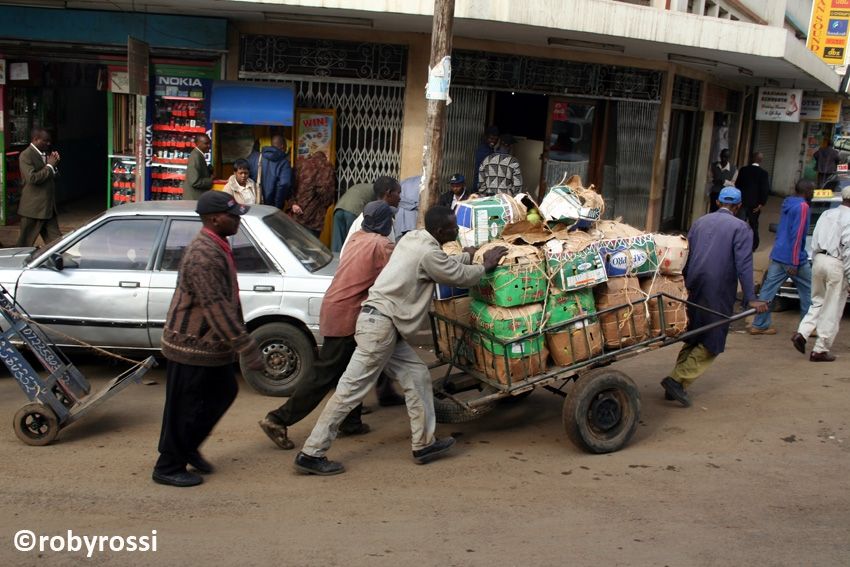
<point>309,250</point>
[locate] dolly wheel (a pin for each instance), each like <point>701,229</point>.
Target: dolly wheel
<point>36,424</point>
<point>602,411</point>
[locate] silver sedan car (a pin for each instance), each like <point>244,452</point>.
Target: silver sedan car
<point>110,282</point>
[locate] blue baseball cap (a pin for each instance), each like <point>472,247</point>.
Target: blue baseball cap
<point>730,196</point>
<point>457,178</point>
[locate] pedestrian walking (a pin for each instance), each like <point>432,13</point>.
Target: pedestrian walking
<point>240,184</point>
<point>198,178</point>
<point>347,209</point>
<point>754,183</point>
<point>271,170</point>
<point>500,171</point>
<point>720,256</point>
<point>456,193</point>
<point>204,331</point>
<point>723,174</point>
<point>394,311</point>
<point>315,190</point>
<point>37,208</point>
<point>367,253</point>
<point>830,277</point>
<point>826,162</point>
<point>788,258</point>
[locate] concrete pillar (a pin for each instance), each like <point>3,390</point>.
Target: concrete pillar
<point>415,106</point>
<point>660,4</point>
<point>703,174</point>
<point>659,164</point>
<point>786,165</point>
<point>774,12</point>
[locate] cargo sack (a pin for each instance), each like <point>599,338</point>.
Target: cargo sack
<point>629,256</point>
<point>573,261</point>
<point>675,312</point>
<point>452,340</point>
<point>612,229</point>
<point>575,343</point>
<point>672,252</point>
<point>481,220</point>
<point>506,324</point>
<point>507,370</point>
<point>627,325</point>
<point>565,306</point>
<point>520,278</point>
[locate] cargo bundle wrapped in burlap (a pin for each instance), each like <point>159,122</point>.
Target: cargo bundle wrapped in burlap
<point>452,341</point>
<point>519,359</point>
<point>627,325</point>
<point>481,220</point>
<point>520,278</point>
<point>573,261</point>
<point>570,203</point>
<point>672,252</point>
<point>579,340</point>
<point>675,312</point>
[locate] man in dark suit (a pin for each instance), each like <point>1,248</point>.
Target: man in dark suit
<point>198,177</point>
<point>456,193</point>
<point>37,208</point>
<point>755,187</point>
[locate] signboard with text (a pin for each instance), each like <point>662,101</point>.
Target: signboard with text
<point>831,111</point>
<point>811,108</point>
<point>828,30</point>
<point>779,105</point>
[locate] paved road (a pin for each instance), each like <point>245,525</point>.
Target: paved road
<point>754,474</point>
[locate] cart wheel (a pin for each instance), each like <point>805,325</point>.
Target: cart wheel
<point>602,411</point>
<point>36,424</point>
<point>447,411</point>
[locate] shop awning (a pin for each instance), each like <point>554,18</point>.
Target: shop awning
<point>249,103</point>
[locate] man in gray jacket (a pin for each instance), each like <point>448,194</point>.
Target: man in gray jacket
<point>37,208</point>
<point>198,177</point>
<point>396,308</point>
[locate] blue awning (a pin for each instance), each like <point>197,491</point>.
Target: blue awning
<point>250,103</point>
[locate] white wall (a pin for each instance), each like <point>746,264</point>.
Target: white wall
<point>786,167</point>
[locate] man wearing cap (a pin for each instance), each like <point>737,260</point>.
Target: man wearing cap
<point>485,148</point>
<point>830,277</point>
<point>456,192</point>
<point>204,332</point>
<point>367,252</point>
<point>721,255</point>
<point>500,171</point>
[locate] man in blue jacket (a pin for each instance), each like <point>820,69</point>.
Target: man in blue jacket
<point>272,172</point>
<point>788,257</point>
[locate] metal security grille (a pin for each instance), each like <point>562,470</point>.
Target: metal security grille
<point>464,128</point>
<point>364,82</point>
<point>686,93</point>
<point>553,76</point>
<point>636,124</point>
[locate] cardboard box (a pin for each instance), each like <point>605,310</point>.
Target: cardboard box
<point>562,204</point>
<point>571,270</point>
<point>675,312</point>
<point>509,371</point>
<point>627,325</point>
<point>520,278</point>
<point>672,252</point>
<point>568,305</point>
<point>576,343</point>
<point>452,339</point>
<point>503,322</point>
<point>632,256</point>
<point>481,220</point>
<point>443,292</point>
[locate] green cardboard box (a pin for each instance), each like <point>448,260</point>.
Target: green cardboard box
<point>574,270</point>
<point>506,324</point>
<point>568,305</point>
<point>481,220</point>
<point>512,286</point>
<point>632,256</point>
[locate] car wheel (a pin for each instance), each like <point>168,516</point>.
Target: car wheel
<point>288,355</point>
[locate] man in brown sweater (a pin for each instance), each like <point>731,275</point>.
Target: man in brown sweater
<point>203,333</point>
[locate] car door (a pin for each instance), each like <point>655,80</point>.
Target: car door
<point>260,283</point>
<point>100,295</point>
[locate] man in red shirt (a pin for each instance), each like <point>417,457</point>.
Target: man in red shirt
<point>366,253</point>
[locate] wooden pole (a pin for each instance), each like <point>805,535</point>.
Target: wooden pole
<point>435,119</point>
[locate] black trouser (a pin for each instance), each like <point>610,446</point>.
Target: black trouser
<point>333,360</point>
<point>196,397</point>
<point>753,220</point>
<point>712,205</point>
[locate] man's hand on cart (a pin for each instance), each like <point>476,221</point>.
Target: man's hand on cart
<point>492,257</point>
<point>760,306</point>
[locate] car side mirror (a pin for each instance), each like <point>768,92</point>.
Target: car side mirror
<point>56,262</point>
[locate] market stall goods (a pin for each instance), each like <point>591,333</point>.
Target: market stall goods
<point>675,313</point>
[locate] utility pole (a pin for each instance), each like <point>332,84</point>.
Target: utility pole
<point>439,77</point>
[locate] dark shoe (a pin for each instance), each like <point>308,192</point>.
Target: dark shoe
<point>757,331</point>
<point>200,464</point>
<point>799,342</point>
<point>276,433</point>
<point>317,465</point>
<point>347,430</point>
<point>668,397</point>
<point>391,400</point>
<point>181,479</point>
<point>821,357</point>
<point>433,451</point>
<point>676,391</point>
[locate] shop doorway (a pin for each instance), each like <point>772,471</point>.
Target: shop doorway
<point>681,169</point>
<point>523,115</point>
<point>572,144</point>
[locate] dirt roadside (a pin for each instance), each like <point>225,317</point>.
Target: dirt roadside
<point>754,474</point>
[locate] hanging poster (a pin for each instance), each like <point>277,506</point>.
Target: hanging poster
<point>811,107</point>
<point>315,131</point>
<point>828,29</point>
<point>831,111</point>
<point>779,105</point>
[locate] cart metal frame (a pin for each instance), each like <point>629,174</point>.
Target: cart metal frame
<point>609,415</point>
<point>64,396</point>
